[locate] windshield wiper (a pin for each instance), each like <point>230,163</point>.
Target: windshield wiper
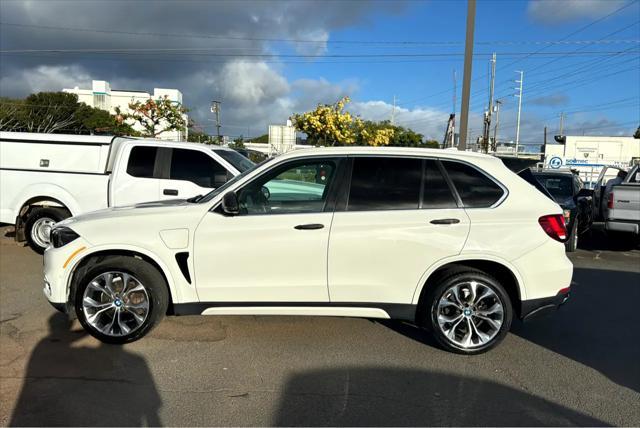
<point>195,199</point>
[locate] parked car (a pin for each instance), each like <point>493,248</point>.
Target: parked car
<point>568,190</point>
<point>45,178</point>
<point>452,241</point>
<point>618,200</point>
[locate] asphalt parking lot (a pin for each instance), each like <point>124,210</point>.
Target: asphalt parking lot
<point>580,366</point>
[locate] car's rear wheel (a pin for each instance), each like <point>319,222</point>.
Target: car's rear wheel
<point>120,299</point>
<point>38,226</point>
<point>469,312</point>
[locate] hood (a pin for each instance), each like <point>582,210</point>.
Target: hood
<point>141,209</point>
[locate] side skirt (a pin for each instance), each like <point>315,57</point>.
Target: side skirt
<point>399,311</point>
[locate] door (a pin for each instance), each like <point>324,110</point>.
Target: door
<point>400,218</point>
<point>191,173</point>
<point>138,181</point>
<point>276,249</point>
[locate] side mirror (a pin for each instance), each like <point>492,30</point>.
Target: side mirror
<point>230,205</point>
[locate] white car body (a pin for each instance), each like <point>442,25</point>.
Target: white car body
<point>83,173</point>
<point>362,263</point>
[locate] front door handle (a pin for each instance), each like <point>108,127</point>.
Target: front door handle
<point>311,226</point>
<point>170,192</point>
<point>445,221</point>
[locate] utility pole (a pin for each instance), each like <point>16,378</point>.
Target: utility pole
<point>215,109</point>
<point>466,81</point>
<point>487,117</point>
<point>393,111</point>
<point>519,110</point>
<point>561,122</point>
<point>453,110</point>
<point>495,129</point>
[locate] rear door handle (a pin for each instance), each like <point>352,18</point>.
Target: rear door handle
<point>311,226</point>
<point>445,221</point>
<point>171,192</point>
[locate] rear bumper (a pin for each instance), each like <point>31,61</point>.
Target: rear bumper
<point>535,308</point>
<point>628,226</point>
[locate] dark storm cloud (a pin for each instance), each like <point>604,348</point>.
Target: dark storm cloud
<point>199,75</point>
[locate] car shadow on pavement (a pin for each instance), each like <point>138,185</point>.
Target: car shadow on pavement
<point>70,385</point>
<point>597,327</point>
<point>380,396</point>
<point>597,239</point>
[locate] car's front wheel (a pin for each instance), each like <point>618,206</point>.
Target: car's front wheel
<point>469,312</point>
<point>119,299</point>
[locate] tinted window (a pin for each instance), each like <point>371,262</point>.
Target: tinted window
<point>293,188</point>
<point>475,189</point>
<point>197,167</point>
<point>560,187</point>
<point>379,183</point>
<point>141,161</point>
<point>236,160</point>
<point>436,193</point>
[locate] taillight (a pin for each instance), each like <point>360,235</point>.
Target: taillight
<point>610,201</point>
<point>553,225</point>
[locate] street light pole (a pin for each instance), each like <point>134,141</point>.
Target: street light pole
<point>466,81</point>
<point>519,110</point>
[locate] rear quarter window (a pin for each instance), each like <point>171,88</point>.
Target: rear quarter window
<point>475,188</point>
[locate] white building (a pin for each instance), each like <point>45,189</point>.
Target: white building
<point>103,97</point>
<point>588,154</point>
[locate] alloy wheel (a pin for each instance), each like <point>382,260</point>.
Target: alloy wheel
<point>470,314</point>
<point>115,303</point>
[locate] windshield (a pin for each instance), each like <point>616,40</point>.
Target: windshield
<point>238,161</point>
<point>209,196</point>
<point>561,188</point>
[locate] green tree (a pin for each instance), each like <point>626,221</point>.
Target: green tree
<point>637,134</point>
<point>58,112</point>
<point>238,143</point>
<point>197,135</point>
<point>155,116</point>
<point>263,139</point>
<point>431,144</point>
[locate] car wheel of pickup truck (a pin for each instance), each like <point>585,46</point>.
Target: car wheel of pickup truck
<point>469,312</point>
<point>38,226</point>
<point>572,243</point>
<point>120,299</point>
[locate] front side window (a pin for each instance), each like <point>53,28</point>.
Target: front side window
<point>475,189</point>
<point>141,161</point>
<point>300,187</point>
<point>381,183</point>
<point>198,168</point>
<point>238,161</point>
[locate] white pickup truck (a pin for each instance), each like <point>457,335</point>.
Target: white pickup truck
<point>45,178</point>
<point>619,203</point>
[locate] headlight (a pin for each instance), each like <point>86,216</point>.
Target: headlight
<point>567,216</point>
<point>61,236</point>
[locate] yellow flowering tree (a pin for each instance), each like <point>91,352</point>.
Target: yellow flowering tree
<point>329,124</point>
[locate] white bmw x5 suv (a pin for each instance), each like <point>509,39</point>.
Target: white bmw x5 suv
<point>451,241</point>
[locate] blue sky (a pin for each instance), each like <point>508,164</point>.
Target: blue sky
<point>319,51</point>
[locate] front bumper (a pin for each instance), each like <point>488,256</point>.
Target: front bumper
<point>535,308</point>
<point>58,267</point>
<point>628,226</point>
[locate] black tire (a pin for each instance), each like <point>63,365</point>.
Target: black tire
<point>436,291</point>
<point>36,214</point>
<point>572,242</point>
<point>149,277</point>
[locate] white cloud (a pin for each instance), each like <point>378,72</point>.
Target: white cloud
<point>44,78</point>
<point>564,11</point>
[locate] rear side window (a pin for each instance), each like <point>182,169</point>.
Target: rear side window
<point>379,183</point>
<point>197,167</point>
<point>141,161</point>
<point>475,189</point>
<point>436,193</point>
